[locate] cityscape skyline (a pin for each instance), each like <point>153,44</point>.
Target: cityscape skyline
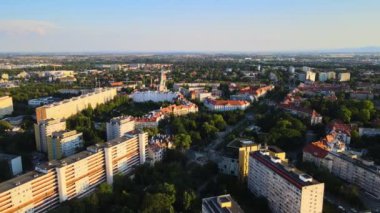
<point>188,26</point>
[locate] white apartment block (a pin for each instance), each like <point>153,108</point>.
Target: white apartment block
<point>155,96</point>
<point>286,189</point>
<point>118,126</point>
<point>44,129</point>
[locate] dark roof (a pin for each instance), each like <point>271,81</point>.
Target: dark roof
<point>292,176</point>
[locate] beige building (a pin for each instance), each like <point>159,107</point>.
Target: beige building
<point>45,128</point>
<point>347,166</point>
<point>64,143</point>
<point>79,174</point>
<point>118,126</point>
<point>6,106</point>
<point>34,191</point>
<point>75,176</point>
<point>72,106</point>
<point>287,190</point>
<point>122,154</point>
<point>344,76</point>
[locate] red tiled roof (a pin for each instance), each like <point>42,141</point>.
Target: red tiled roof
<point>227,102</point>
<point>315,150</point>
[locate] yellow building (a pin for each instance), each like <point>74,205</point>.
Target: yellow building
<point>72,106</point>
<point>6,106</point>
<point>35,191</point>
<point>245,148</point>
<point>64,143</point>
<point>344,76</point>
<point>45,128</point>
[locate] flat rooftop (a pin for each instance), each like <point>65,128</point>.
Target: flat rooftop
<point>287,172</point>
<point>212,204</point>
<point>19,180</point>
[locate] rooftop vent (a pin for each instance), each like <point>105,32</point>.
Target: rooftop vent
<point>306,178</point>
<point>224,201</point>
<point>275,160</point>
<point>264,152</point>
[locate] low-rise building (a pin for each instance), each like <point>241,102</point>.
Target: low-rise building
<point>6,106</point>
<point>287,189</point>
<point>13,163</point>
<point>369,132</point>
<point>220,204</point>
<point>226,105</point>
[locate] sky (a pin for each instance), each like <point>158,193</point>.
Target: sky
<point>187,25</point>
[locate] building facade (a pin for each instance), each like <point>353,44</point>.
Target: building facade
<point>75,176</point>
<point>226,105</point>
<point>347,166</point>
<point>6,106</point>
<point>123,154</point>
<point>286,189</point>
<point>344,76</point>
<point>64,143</point>
<point>72,106</point>
<point>118,126</point>
<point>45,128</point>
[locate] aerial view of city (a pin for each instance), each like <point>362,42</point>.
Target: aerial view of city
<point>200,106</point>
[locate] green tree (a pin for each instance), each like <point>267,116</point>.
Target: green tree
<point>182,141</point>
<point>157,203</point>
<point>345,114</point>
<point>188,199</point>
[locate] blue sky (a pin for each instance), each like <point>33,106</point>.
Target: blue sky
<point>187,25</point>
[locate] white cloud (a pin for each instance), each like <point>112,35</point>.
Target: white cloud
<point>26,27</point>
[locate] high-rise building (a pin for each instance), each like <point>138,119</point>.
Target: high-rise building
<point>347,166</point>
<point>34,191</point>
<point>72,106</point>
<point>6,106</point>
<point>73,177</point>
<point>162,86</point>
<point>64,143</point>
<point>287,189</point>
<point>122,154</point>
<point>44,129</point>
<point>79,174</point>
<point>118,126</point>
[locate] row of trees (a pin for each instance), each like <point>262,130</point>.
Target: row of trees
<point>198,129</point>
<point>347,110</point>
